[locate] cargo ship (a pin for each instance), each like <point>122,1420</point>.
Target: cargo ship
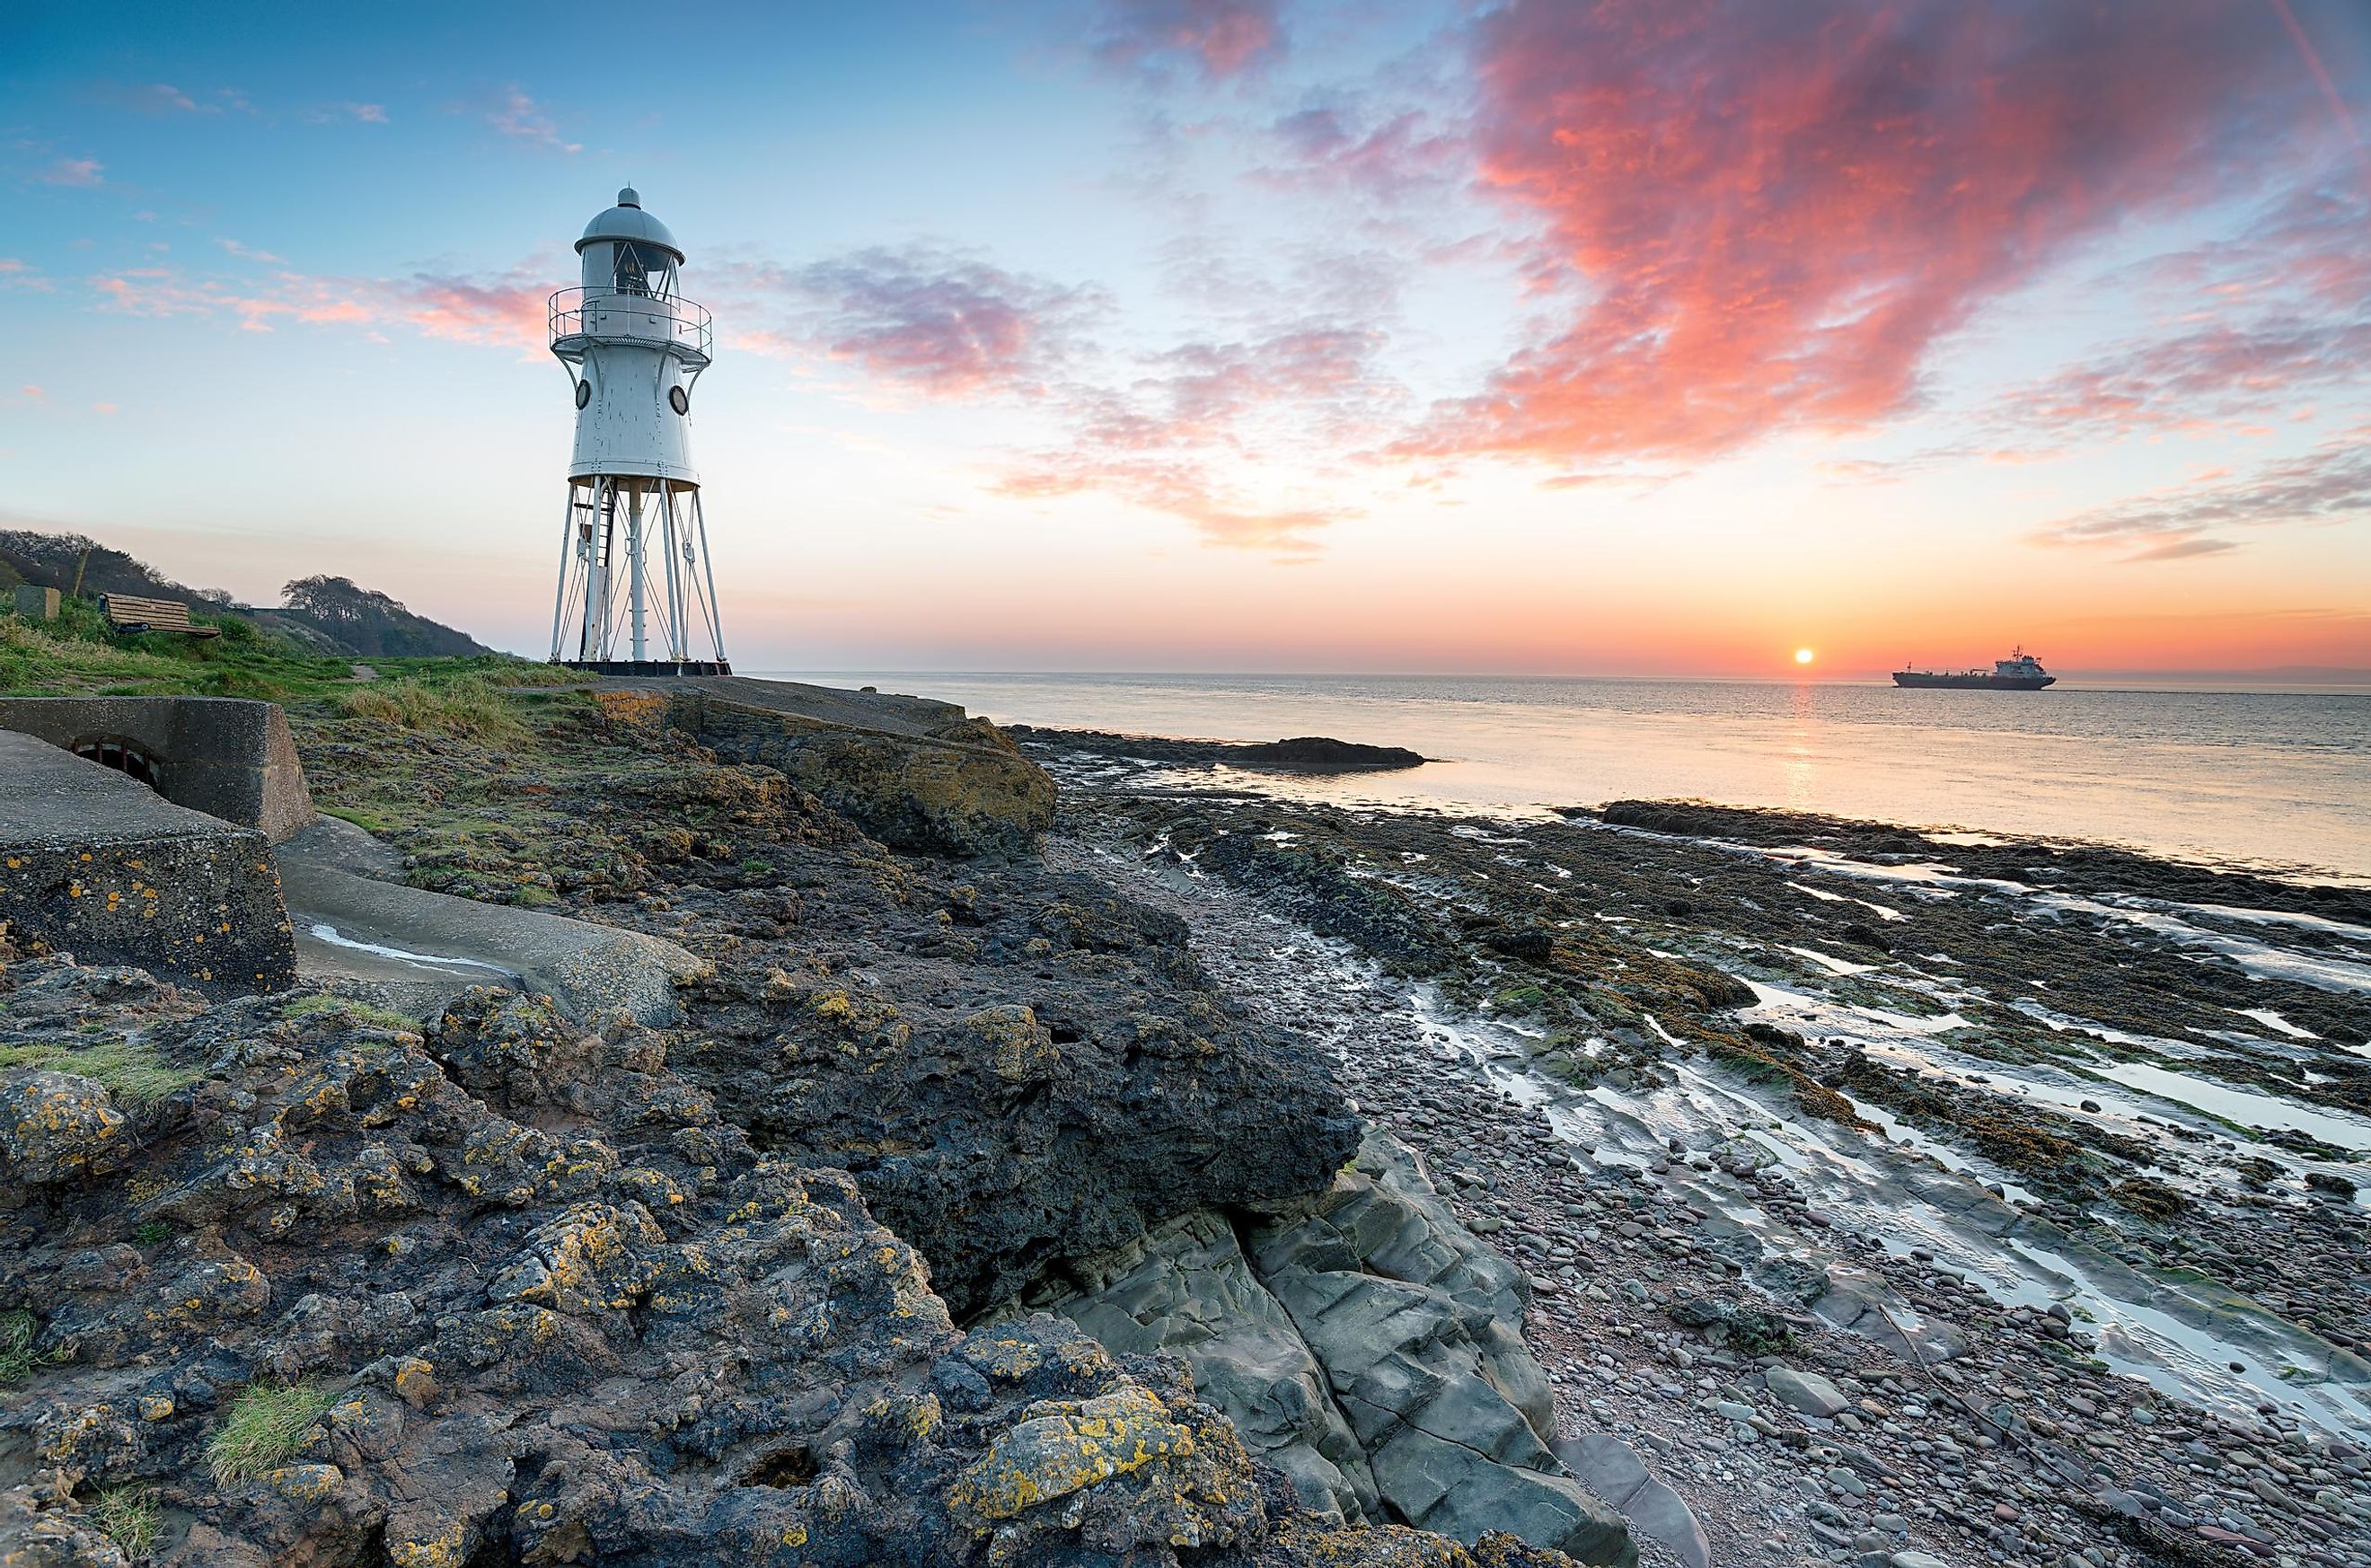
<point>2019,671</point>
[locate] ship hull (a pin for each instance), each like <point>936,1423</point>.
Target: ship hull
<point>1972,682</point>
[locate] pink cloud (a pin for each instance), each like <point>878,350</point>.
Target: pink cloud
<point>1183,490</point>
<point>1301,392</point>
<point>1767,215</point>
<point>505,311</point>
<point>1218,37</point>
<point>515,114</point>
<point>946,324</point>
<point>512,310</point>
<point>1156,429</point>
<point>74,172</point>
<point>1402,155</point>
<point>2330,484</point>
<point>2200,379</point>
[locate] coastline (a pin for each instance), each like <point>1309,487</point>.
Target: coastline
<point>2254,781</point>
<point>1667,1051</point>
<point>1805,1195</point>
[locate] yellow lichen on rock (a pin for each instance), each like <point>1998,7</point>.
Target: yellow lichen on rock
<point>1063,1445</point>
<point>449,1548</point>
<point>592,1255</point>
<point>304,1483</point>
<point>415,1382</point>
<point>1020,1050</point>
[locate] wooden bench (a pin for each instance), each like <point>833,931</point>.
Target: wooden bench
<point>129,612</point>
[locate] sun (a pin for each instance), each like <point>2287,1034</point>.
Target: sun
<point>1802,656</point>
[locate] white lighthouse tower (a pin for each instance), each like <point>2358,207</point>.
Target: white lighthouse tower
<point>637,590</point>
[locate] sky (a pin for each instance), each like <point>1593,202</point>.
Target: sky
<point>1626,337</point>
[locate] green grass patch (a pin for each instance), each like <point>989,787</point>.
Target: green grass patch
<point>346,1006</point>
<point>376,826</point>
<point>265,1426</point>
<point>80,654</point>
<point>470,707</point>
<point>131,1516</point>
<point>17,1358</point>
<point>150,1232</point>
<point>130,1071</point>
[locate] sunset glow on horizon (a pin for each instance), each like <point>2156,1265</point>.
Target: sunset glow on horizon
<point>1632,338</point>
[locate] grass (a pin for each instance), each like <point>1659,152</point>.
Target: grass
<point>368,822</point>
<point>17,1359</point>
<point>266,1426</point>
<point>130,1070</point>
<point>79,654</point>
<point>131,1516</point>
<point>346,1006</point>
<point>470,707</point>
<point>149,1232</point>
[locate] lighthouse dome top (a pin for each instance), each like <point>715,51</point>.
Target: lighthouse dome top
<point>627,221</point>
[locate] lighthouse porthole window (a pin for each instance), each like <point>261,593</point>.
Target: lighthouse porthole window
<point>678,400</point>
<point>583,392</point>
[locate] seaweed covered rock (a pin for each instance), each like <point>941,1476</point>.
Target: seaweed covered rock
<point>1002,1138</point>
<point>56,1126</point>
<point>960,788</point>
<point>509,1291</point>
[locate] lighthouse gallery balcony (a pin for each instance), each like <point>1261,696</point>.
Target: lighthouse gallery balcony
<point>582,316</point>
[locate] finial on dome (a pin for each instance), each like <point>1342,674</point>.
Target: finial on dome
<point>630,197</point>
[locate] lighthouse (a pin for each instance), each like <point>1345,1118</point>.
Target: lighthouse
<point>637,590</point>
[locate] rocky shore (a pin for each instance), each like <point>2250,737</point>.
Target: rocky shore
<point>1896,1199</point>
<point>1188,1176</point>
<point>306,1277</point>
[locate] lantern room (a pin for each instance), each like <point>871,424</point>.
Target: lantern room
<point>627,251</point>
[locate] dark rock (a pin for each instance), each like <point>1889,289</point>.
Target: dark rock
<point>956,788</point>
<point>550,1308</point>
<point>1000,1139</point>
<point>1305,753</point>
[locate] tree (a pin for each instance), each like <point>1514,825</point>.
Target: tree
<point>339,601</point>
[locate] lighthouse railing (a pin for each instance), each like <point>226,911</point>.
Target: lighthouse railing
<point>625,315</point>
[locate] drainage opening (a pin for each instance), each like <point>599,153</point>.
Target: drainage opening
<point>119,754</point>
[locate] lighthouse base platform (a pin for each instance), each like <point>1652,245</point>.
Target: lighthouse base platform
<point>650,666</point>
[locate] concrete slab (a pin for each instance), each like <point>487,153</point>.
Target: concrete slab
<point>95,863</point>
<point>429,946</point>
<point>229,758</point>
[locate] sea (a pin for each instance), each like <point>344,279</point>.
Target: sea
<point>2271,781</point>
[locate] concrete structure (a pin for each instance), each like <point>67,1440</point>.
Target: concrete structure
<point>226,756</point>
<point>637,588</point>
<point>156,847</point>
<point>95,863</point>
<point>35,602</point>
<point>423,949</point>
